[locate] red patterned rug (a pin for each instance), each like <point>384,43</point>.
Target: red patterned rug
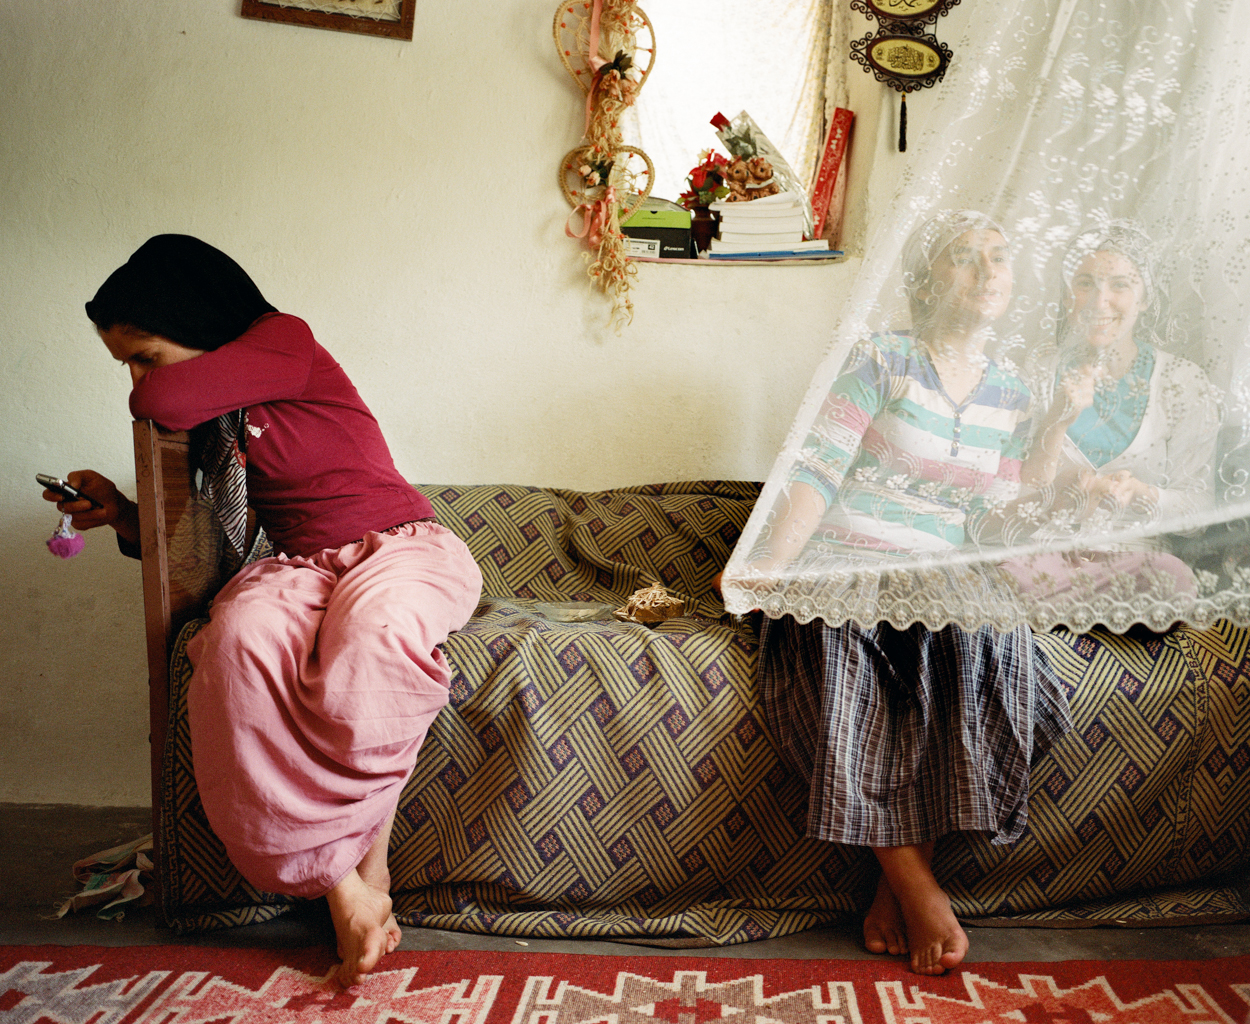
<point>189,985</point>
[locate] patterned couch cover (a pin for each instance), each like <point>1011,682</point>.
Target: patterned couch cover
<point>600,778</point>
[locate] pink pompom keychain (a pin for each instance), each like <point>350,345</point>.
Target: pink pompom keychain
<point>65,542</point>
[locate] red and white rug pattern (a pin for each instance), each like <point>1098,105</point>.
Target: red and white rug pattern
<point>187,985</point>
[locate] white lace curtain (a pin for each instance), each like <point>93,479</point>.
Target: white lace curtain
<point>1036,406</point>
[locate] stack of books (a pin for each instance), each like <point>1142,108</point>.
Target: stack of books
<point>767,228</point>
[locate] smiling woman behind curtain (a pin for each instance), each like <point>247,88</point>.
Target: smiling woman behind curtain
<point>1129,428</point>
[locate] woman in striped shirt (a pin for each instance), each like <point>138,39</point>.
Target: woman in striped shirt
<point>908,734</point>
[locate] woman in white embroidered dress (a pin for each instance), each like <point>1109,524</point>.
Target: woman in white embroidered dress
<point>1129,430</point>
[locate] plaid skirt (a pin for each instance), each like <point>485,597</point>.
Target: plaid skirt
<point>906,735</point>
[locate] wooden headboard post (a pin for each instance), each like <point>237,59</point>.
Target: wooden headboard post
<point>165,480</point>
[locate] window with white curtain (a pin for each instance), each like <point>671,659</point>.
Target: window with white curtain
<point>770,58</point>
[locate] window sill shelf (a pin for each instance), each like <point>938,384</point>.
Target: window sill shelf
<point>833,257</point>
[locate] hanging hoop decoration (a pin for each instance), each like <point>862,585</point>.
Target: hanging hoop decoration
<point>605,190</point>
<point>584,180</point>
<point>608,47</point>
<point>899,53</point>
<point>571,29</point>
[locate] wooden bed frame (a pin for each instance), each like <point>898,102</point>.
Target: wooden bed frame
<point>165,481</point>
<point>162,466</point>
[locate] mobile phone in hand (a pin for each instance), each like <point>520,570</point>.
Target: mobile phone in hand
<point>65,490</point>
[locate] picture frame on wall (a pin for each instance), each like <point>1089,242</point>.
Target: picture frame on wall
<point>390,18</point>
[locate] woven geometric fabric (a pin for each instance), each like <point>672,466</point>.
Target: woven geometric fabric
<point>1217,831</point>
<point>600,778</point>
<point>605,778</point>
<point>1145,792</point>
<point>559,545</point>
<point>1187,905</point>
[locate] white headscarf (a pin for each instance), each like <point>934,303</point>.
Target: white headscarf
<point>927,243</point>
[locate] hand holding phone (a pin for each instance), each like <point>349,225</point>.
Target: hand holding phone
<point>66,490</point>
<point>105,505</point>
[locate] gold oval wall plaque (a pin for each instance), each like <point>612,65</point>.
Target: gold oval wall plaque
<point>905,56</point>
<point>904,9</point>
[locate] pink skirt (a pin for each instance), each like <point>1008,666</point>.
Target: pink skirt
<point>314,684</point>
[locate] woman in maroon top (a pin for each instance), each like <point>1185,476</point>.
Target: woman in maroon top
<point>319,672</point>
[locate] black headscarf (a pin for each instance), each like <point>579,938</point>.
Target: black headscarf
<point>180,288</point>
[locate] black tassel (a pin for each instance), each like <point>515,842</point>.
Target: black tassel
<point>902,124</point>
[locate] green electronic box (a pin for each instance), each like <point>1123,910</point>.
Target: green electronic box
<point>658,229</point>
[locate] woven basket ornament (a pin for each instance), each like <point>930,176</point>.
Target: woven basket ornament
<point>603,45</point>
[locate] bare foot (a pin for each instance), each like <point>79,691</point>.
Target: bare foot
<point>380,880</point>
<point>936,940</point>
<point>375,871</point>
<point>394,934</point>
<point>884,928</point>
<point>934,937</point>
<point>362,922</point>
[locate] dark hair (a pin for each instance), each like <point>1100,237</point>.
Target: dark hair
<point>179,288</point>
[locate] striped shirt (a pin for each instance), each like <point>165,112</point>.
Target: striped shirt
<point>902,467</point>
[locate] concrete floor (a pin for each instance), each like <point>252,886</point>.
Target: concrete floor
<point>38,845</point>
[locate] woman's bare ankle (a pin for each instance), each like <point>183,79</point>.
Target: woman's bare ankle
<point>374,867</point>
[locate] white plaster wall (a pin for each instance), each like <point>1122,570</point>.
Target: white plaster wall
<point>401,198</point>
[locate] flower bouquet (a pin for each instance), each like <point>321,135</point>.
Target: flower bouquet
<point>706,181</point>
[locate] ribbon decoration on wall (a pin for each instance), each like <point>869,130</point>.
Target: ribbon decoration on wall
<point>900,53</point>
<point>608,46</point>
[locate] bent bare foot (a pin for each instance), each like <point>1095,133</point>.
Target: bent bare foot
<point>362,923</point>
<point>884,928</point>
<point>393,934</point>
<point>375,871</point>
<point>382,882</point>
<point>934,937</point>
<point>937,941</point>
